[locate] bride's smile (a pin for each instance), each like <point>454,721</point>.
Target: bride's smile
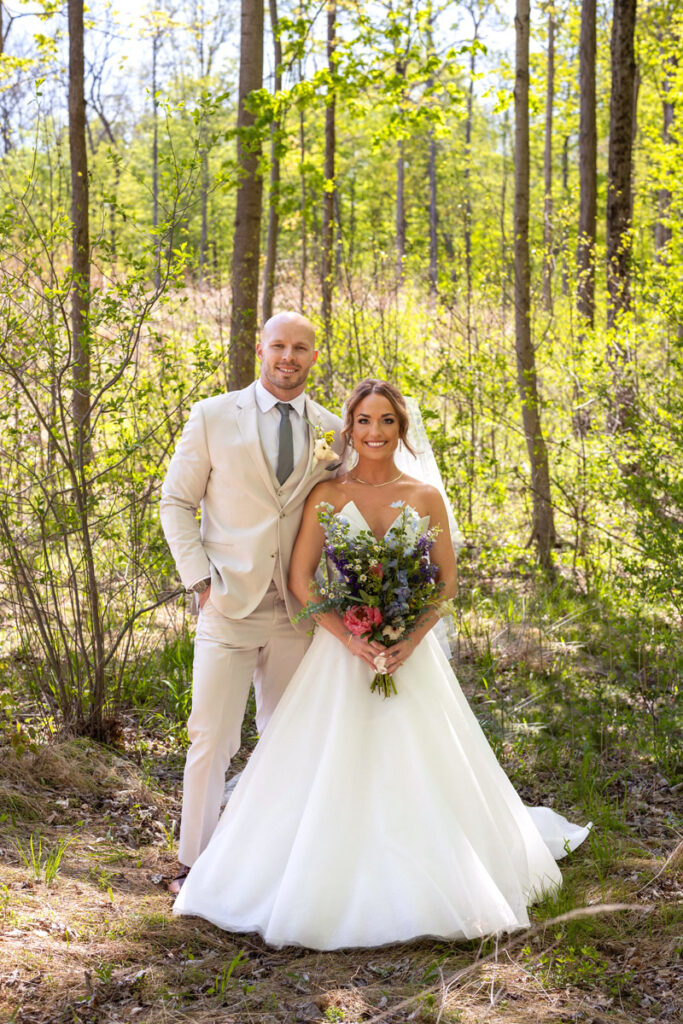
<point>375,430</point>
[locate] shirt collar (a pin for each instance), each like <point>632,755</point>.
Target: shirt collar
<point>266,400</point>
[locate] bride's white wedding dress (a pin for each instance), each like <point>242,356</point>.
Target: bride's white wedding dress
<point>360,821</point>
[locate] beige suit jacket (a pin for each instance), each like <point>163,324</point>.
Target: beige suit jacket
<point>219,466</point>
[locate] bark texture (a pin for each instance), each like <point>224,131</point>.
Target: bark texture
<point>246,248</point>
<point>543,527</point>
<point>619,207</point>
<point>433,220</point>
<point>80,289</point>
<point>274,193</point>
<point>663,226</point>
<point>400,211</point>
<point>327,260</point>
<point>585,257</point>
<point>548,257</point>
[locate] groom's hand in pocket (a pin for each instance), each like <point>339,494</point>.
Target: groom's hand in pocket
<point>203,598</point>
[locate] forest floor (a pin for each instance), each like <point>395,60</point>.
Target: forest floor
<point>87,934</point>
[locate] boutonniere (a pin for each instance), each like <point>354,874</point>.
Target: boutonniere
<point>322,444</point>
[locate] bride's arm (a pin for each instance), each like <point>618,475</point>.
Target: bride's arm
<point>302,568</point>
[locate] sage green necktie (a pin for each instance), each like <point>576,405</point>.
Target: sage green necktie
<point>285,458</point>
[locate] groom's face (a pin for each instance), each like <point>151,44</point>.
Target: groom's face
<point>287,353</point>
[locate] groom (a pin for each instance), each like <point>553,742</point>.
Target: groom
<point>248,459</point>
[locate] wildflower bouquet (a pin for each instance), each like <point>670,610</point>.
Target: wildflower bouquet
<point>381,588</point>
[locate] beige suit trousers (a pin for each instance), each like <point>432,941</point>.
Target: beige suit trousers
<point>228,655</point>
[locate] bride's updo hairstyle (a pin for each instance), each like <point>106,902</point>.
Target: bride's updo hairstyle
<point>388,391</point>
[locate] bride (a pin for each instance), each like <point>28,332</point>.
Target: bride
<point>358,820</point>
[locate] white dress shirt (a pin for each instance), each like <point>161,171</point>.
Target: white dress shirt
<point>269,424</point>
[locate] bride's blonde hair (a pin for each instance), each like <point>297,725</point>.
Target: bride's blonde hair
<point>371,386</point>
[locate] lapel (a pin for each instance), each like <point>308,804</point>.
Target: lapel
<point>247,421</point>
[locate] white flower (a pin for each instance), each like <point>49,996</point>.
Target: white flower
<point>362,578</point>
<point>393,633</point>
<point>322,451</point>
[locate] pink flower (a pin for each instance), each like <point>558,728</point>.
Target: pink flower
<point>361,619</point>
<point>377,570</point>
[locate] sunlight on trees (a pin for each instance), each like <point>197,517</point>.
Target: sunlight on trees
<point>139,246</point>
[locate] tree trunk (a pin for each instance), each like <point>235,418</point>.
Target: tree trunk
<point>619,210</point>
<point>433,212</point>
<point>156,42</point>
<point>80,289</point>
<point>585,256</point>
<point>246,248</point>
<point>400,196</point>
<point>433,223</point>
<point>548,257</point>
<point>543,529</point>
<point>565,192</point>
<point>504,257</point>
<point>467,174</point>
<point>80,352</point>
<point>663,225</point>
<point>400,212</point>
<point>327,261</point>
<point>4,115</point>
<point>274,194</point>
<point>204,200</point>
<point>304,233</point>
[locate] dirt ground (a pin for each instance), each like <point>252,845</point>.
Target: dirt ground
<point>98,943</point>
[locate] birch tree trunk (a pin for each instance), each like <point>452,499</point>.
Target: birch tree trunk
<point>543,527</point>
<point>246,248</point>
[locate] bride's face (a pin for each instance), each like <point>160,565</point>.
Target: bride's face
<point>375,427</point>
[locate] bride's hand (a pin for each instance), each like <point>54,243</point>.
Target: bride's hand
<point>365,649</point>
<point>398,654</point>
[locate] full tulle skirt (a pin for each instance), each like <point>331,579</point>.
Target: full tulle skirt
<point>361,821</point>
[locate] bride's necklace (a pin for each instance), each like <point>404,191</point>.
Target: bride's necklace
<point>383,484</point>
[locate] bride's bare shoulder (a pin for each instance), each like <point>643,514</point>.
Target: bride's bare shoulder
<point>334,491</point>
<point>423,497</point>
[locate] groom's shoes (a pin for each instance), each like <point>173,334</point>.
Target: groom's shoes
<point>176,884</point>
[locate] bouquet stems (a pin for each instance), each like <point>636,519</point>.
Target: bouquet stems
<point>383,683</point>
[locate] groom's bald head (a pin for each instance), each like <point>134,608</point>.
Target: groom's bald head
<point>287,352</point>
<point>289,322</point>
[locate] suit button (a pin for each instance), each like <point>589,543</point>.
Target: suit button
<point>282,515</point>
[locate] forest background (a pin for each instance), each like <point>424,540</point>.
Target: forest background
<point>480,205</point>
